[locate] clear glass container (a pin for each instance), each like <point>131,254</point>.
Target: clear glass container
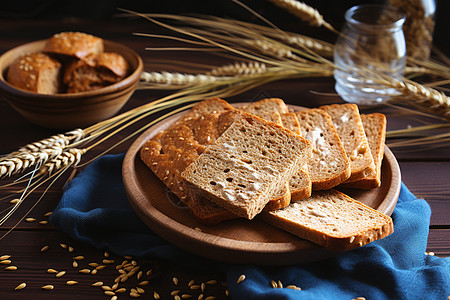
<point>419,25</point>
<point>371,43</point>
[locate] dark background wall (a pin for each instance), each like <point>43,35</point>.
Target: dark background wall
<point>333,11</point>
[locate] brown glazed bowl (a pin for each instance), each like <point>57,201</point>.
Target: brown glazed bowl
<point>68,111</point>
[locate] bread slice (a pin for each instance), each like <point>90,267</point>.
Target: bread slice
<point>35,72</point>
<point>207,106</point>
<point>169,152</point>
<point>329,165</point>
<point>266,105</point>
<point>246,164</point>
<point>375,129</point>
<point>333,220</point>
<point>290,121</point>
<point>347,120</point>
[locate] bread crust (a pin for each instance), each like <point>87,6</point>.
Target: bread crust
<point>375,129</point>
<point>363,224</point>
<point>329,165</point>
<point>35,72</point>
<point>347,120</point>
<point>75,44</point>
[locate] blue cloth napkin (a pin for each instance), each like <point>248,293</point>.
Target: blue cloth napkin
<point>94,209</point>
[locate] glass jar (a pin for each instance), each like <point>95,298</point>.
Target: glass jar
<point>419,25</point>
<point>371,43</point>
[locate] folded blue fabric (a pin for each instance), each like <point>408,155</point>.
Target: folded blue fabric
<point>94,209</point>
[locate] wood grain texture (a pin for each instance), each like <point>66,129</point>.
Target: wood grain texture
<point>424,171</point>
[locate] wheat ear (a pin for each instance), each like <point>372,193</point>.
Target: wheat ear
<point>304,12</point>
<point>239,68</point>
<point>426,97</point>
<point>37,153</point>
<point>70,157</point>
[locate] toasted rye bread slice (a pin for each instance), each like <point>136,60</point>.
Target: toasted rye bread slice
<point>329,165</point>
<point>205,107</point>
<point>266,105</point>
<point>347,120</point>
<point>332,220</point>
<point>171,151</point>
<point>247,163</point>
<point>290,121</point>
<point>375,129</point>
<point>300,184</point>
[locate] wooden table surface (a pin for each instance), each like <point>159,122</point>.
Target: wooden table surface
<point>425,171</point>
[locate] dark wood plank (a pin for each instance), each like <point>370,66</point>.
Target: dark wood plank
<point>438,241</point>
<point>25,250</point>
<point>430,181</point>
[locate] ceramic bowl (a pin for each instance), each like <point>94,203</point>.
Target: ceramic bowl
<point>67,111</point>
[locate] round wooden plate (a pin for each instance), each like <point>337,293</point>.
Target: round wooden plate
<point>239,240</point>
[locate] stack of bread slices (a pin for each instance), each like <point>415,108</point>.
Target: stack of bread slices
<point>264,160</point>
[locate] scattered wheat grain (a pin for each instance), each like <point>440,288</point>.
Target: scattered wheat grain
<point>60,274</point>
<point>175,280</point>
<point>143,283</point>
<point>98,283</point>
<point>186,296</point>
<point>200,297</point>
<point>71,282</point>
<point>52,271</point>
<point>85,271</point>
<point>135,295</point>
<point>79,257</point>
<point>64,246</point>
<point>175,292</point>
<point>71,249</point>
<point>106,288</point>
<point>93,264</point>
<point>48,287</point>
<point>293,287</point>
<point>20,286</point>
<point>11,268</point>
<point>3,257</point>
<point>108,261</point>
<point>14,201</point>
<point>94,272</point>
<point>156,295</point>
<point>101,267</point>
<point>190,283</point>
<point>47,214</point>
<point>109,293</point>
<point>240,279</point>
<point>149,272</point>
<point>213,281</point>
<point>140,290</point>
<point>30,220</point>
<point>5,262</point>
<point>139,275</point>
<point>121,290</point>
<point>106,254</point>
<point>195,287</point>
<point>45,248</point>
<point>176,297</point>
<point>280,285</point>
<point>210,298</point>
<point>114,297</point>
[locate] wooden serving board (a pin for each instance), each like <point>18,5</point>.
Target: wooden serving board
<point>239,240</point>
